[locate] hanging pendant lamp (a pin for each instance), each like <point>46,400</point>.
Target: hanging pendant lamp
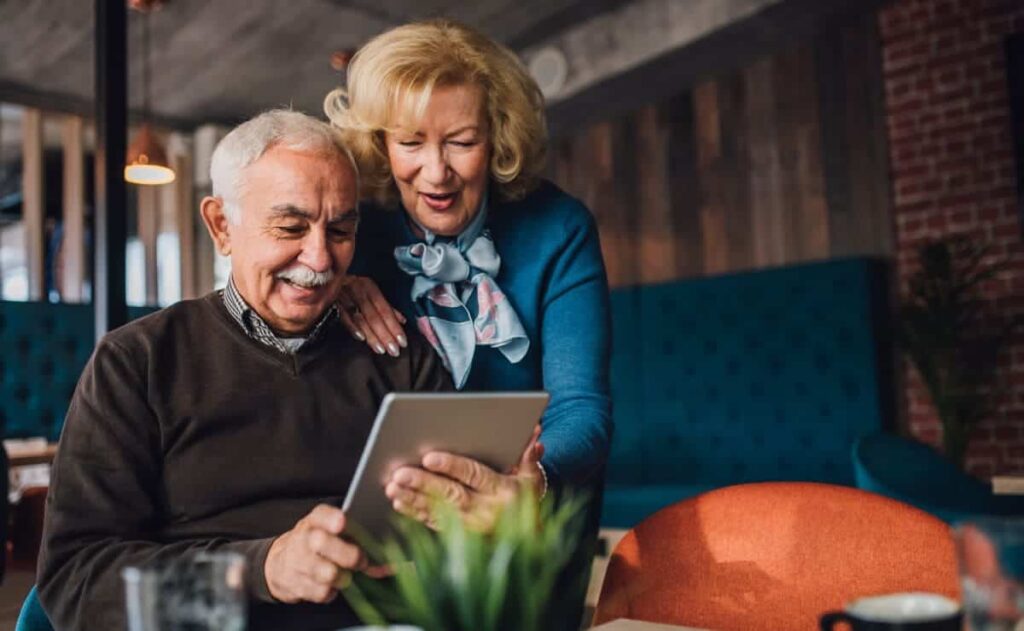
<point>147,159</point>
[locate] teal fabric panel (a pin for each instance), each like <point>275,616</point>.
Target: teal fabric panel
<point>626,505</point>
<point>32,617</point>
<point>918,475</point>
<point>45,347</point>
<point>755,376</point>
<point>627,450</point>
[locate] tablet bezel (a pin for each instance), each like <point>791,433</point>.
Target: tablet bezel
<point>491,427</point>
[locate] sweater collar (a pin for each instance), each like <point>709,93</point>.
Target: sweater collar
<point>257,328</point>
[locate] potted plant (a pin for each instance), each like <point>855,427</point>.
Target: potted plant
<point>952,335</point>
<point>512,578</point>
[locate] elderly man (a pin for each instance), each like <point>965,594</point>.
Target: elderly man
<point>235,421</point>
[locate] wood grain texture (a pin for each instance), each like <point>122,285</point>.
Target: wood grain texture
<point>73,264</point>
<point>684,184</point>
<point>713,208</point>
<point>186,224</point>
<point>778,162</point>
<point>732,170</point>
<point>148,222</point>
<point>806,213</point>
<point>621,193</point>
<point>767,206</point>
<point>33,200</point>
<point>655,222</point>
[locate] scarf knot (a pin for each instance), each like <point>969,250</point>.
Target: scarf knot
<point>458,304</point>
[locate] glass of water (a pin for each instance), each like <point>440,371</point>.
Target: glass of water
<point>195,592</point>
<point>991,556</point>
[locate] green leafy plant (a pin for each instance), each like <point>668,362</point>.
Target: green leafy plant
<point>512,578</point>
<point>952,335</point>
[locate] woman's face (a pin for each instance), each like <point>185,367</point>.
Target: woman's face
<point>440,164</point>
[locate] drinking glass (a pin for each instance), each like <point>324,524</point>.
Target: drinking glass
<point>991,556</point>
<point>195,592</point>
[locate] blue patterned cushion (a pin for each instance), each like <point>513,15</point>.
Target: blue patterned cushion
<point>45,347</point>
<point>764,375</point>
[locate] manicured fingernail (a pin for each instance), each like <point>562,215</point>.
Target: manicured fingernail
<point>393,349</point>
<point>359,336</point>
<point>379,349</point>
<point>404,342</point>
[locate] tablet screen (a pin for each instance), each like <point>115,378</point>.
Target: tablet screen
<point>492,428</point>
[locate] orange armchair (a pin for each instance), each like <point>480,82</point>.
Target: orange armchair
<point>773,556</point>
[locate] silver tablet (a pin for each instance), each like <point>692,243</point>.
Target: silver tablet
<point>492,428</point>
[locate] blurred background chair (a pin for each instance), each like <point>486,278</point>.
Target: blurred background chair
<point>32,616</point>
<point>914,473</point>
<point>773,555</point>
<point>4,508</point>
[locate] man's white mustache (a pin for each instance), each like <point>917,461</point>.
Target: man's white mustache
<point>305,277</point>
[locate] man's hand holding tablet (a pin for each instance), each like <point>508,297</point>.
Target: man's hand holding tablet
<point>472,450</point>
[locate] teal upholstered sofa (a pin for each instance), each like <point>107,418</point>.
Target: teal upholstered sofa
<point>44,349</point>
<point>917,474</point>
<point>765,375</point>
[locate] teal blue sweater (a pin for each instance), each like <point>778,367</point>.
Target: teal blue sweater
<point>553,274</point>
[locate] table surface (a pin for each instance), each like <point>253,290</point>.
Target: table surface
<point>30,453</point>
<point>635,625</point>
<point>1008,485</point>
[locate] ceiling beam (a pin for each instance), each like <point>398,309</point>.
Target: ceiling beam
<point>652,56</point>
<point>373,10</point>
<point>64,103</point>
<point>638,32</point>
<point>562,20</point>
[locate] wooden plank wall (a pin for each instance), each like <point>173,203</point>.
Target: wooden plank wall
<point>778,162</point>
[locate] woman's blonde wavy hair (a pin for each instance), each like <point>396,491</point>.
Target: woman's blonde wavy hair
<point>391,78</point>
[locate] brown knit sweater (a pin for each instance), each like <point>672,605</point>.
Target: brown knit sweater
<point>185,434</point>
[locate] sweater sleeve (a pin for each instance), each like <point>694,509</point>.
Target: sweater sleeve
<point>575,338</point>
<point>103,508</point>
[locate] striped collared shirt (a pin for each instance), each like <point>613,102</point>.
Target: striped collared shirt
<point>256,328</point>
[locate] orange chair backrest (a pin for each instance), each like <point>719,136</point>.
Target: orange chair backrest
<point>773,556</point>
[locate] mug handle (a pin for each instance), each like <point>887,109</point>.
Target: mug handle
<point>828,621</point>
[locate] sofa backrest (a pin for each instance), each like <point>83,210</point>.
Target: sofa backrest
<point>44,349</point>
<point>764,375</point>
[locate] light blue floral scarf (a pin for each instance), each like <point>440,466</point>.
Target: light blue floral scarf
<point>458,305</point>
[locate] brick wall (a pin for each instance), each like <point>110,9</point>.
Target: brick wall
<point>953,170</point>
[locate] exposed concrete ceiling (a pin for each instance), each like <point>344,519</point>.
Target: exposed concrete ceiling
<point>221,60</point>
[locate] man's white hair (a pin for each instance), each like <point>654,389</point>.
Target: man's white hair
<point>246,143</point>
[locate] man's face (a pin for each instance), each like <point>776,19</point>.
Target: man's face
<point>295,237</point>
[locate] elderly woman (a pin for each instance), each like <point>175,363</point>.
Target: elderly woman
<point>500,271</point>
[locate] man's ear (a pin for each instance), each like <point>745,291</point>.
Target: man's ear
<point>217,223</point>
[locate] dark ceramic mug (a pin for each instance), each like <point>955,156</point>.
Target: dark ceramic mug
<point>912,611</point>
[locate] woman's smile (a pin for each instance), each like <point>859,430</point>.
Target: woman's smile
<point>440,163</point>
<point>439,201</point>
